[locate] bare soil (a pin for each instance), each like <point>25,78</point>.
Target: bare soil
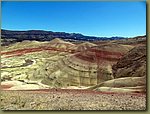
<point>71,99</point>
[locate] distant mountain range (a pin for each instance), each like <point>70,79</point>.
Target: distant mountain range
<point>41,35</point>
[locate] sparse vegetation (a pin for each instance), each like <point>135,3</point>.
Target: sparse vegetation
<point>70,100</point>
<point>87,67</point>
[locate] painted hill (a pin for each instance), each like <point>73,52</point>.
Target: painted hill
<point>84,46</point>
<point>102,53</point>
<point>89,67</point>
<point>131,65</point>
<point>58,63</point>
<point>59,43</point>
<point>129,73</point>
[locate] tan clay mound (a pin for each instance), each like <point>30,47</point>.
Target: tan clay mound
<point>59,43</point>
<point>84,46</point>
<point>123,82</point>
<point>120,90</point>
<point>114,47</point>
<point>24,44</point>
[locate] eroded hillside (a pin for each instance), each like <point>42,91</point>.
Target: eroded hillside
<point>61,64</point>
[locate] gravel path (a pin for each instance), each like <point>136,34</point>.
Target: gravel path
<point>56,99</point>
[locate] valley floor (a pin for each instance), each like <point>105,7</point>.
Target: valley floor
<point>68,99</point>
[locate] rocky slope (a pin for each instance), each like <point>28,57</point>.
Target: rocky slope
<point>131,65</point>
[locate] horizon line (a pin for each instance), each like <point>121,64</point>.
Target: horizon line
<point>46,30</point>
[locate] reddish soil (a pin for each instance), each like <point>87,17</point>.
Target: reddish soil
<point>6,87</point>
<point>20,52</point>
<point>99,55</point>
<point>76,91</point>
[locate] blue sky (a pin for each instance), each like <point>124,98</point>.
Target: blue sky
<point>107,19</point>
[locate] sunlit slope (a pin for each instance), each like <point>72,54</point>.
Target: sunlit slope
<point>60,64</point>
